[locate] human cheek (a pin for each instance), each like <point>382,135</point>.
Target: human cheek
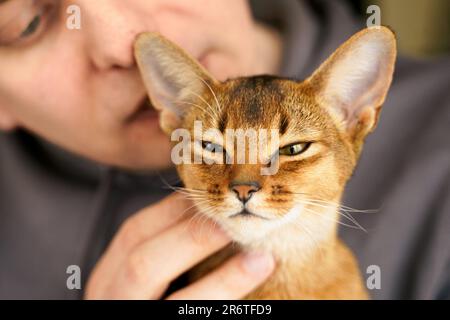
<point>45,98</point>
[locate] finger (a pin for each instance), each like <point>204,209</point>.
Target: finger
<point>238,277</point>
<point>155,263</point>
<point>149,221</point>
<point>145,224</point>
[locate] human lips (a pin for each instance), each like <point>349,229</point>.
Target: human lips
<point>144,110</point>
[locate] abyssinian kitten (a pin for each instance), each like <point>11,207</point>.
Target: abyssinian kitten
<point>322,123</point>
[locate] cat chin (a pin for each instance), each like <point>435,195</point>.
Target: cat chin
<point>293,234</point>
<point>259,233</point>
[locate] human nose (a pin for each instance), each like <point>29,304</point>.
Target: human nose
<point>111,27</point>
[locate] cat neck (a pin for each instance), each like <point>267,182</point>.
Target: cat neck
<point>301,239</point>
<point>327,272</point>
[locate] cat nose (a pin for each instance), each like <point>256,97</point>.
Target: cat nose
<point>244,190</point>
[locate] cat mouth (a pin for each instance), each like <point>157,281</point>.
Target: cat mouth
<point>247,214</point>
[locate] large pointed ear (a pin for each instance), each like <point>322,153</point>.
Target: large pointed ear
<point>174,80</point>
<point>353,82</point>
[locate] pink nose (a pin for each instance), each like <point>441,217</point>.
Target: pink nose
<point>244,190</point>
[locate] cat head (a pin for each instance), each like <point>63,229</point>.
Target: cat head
<point>321,124</point>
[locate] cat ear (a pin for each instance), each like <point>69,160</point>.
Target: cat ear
<point>353,82</point>
<point>173,78</point>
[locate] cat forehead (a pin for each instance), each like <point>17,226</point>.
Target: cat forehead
<point>265,100</point>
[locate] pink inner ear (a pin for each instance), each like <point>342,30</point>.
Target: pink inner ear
<point>357,75</point>
<point>171,76</point>
<point>169,121</point>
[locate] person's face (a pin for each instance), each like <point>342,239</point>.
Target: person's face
<point>81,89</point>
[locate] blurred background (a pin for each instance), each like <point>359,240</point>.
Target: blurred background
<point>422,26</point>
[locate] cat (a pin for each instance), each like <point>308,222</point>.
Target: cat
<point>322,124</point>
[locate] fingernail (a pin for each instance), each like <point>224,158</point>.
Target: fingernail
<point>258,263</point>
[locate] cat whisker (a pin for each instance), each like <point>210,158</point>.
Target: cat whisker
<point>187,191</point>
<point>334,220</point>
<point>192,194</point>
<point>203,99</point>
<point>188,195</point>
<point>197,216</point>
<point>342,207</point>
<point>191,191</point>
<point>210,89</point>
<point>167,184</point>
<point>197,202</point>
<point>317,246</point>
<point>205,212</point>
<point>345,214</point>
<point>194,198</point>
<point>352,219</point>
<point>208,111</point>
<point>307,231</point>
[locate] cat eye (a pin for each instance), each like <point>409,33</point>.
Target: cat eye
<point>218,153</point>
<point>211,147</point>
<point>294,149</point>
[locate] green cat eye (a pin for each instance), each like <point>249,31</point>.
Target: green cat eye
<point>294,149</point>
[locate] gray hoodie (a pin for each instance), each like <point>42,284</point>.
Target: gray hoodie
<point>57,209</point>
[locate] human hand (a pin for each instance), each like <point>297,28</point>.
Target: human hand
<point>159,243</point>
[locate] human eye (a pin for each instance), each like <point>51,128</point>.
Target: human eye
<point>32,27</point>
<point>23,20</point>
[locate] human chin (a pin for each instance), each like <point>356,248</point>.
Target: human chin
<point>139,145</point>
<point>150,152</point>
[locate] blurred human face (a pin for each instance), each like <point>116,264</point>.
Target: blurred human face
<point>81,89</point>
